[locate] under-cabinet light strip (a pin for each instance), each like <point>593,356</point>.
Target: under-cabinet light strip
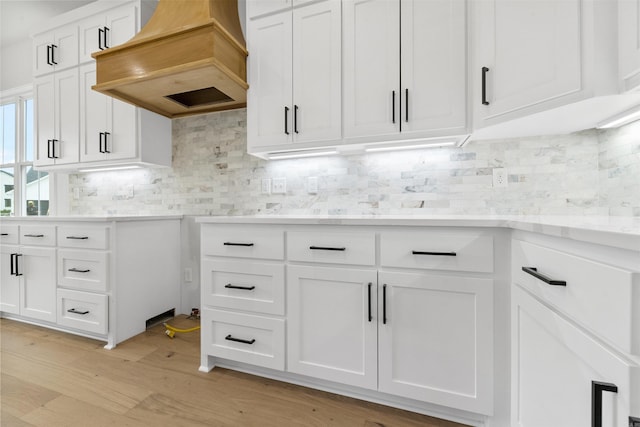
<point>301,154</point>
<point>409,147</point>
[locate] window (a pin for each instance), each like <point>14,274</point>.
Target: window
<point>25,191</point>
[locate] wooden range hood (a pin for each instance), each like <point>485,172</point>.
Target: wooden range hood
<point>190,58</point>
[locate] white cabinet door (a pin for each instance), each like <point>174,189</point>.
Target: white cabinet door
<point>554,365</point>
<point>331,326</point>
<point>93,125</point>
<point>38,291</point>
<point>57,118</point>
<point>436,339</point>
<point>91,36</point>
<point>530,53</point>
<point>269,115</point>
<point>371,38</point>
<point>434,67</point>
<point>629,43</point>
<point>122,141</point>
<point>9,282</point>
<point>317,79</point>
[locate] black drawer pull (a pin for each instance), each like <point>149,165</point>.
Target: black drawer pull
<point>4,234</point>
<point>237,244</point>
<point>230,338</point>
<point>77,237</point>
<point>34,235</point>
<point>77,270</point>
<point>384,304</point>
<point>434,253</point>
<point>534,272</point>
<point>324,248</point>
<point>369,301</point>
<point>597,388</point>
<point>76,311</point>
<point>244,288</point>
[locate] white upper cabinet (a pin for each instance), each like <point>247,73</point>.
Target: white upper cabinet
<point>55,50</point>
<point>545,67</point>
<point>295,77</point>
<point>262,7</point>
<point>405,68</point>
<point>106,30</point>
<point>629,43</point>
<point>57,118</point>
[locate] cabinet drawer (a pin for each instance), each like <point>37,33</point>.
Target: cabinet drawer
<point>242,242</point>
<point>83,237</point>
<point>9,234</point>
<point>38,235</point>
<point>337,247</point>
<point>87,271</point>
<point>83,310</point>
<point>256,340</point>
<point>242,285</point>
<point>437,250</point>
<point>603,298</point>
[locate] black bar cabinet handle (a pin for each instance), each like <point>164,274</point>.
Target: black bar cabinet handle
<point>53,151</point>
<point>13,270</point>
<point>634,422</point>
<point>53,54</point>
<point>100,142</point>
<point>369,300</point>
<point>286,120</point>
<point>230,338</point>
<point>597,388</point>
<point>76,311</point>
<point>434,253</point>
<point>384,304</point>
<point>77,270</point>
<point>78,237</point>
<point>406,105</point>
<point>534,272</point>
<point>237,244</point>
<point>106,32</point>
<point>106,142</point>
<point>484,86</point>
<point>100,31</point>
<point>49,149</point>
<point>326,248</point>
<point>393,106</point>
<point>17,272</point>
<point>244,288</point>
<point>49,50</point>
<point>295,118</point>
<point>34,235</point>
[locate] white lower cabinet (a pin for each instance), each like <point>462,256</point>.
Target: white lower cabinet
<point>436,339</point>
<point>332,324</point>
<point>561,375</point>
<point>83,310</point>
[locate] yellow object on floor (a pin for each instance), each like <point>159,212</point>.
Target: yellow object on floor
<point>171,331</point>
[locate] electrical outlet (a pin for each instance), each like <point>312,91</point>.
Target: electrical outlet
<point>266,186</point>
<point>279,185</point>
<point>188,275</point>
<point>500,178</point>
<point>312,185</point>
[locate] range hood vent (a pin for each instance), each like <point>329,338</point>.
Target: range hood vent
<point>190,58</point>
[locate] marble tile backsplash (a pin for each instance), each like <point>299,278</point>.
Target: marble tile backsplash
<point>587,173</point>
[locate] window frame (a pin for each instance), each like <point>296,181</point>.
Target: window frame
<point>19,96</point>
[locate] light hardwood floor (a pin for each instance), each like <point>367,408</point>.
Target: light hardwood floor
<point>54,379</point>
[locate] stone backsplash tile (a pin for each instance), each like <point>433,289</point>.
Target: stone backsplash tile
<point>587,173</point>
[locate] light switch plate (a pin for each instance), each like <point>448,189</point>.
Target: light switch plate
<point>279,185</point>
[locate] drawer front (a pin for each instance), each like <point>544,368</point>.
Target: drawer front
<point>38,235</point>
<point>598,296</point>
<point>332,246</point>
<point>86,271</point>
<point>241,285</point>
<point>83,311</point>
<point>437,250</point>
<point>9,234</point>
<point>242,241</point>
<point>83,237</point>
<point>256,340</point>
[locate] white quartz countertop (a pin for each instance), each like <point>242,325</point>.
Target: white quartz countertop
<point>79,218</point>
<point>622,232</point>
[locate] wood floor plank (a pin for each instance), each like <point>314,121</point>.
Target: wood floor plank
<point>21,397</point>
<point>8,420</point>
<point>151,380</point>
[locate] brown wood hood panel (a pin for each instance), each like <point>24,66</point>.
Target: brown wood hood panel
<point>194,54</point>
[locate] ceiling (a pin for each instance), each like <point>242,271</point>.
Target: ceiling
<point>19,18</point>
